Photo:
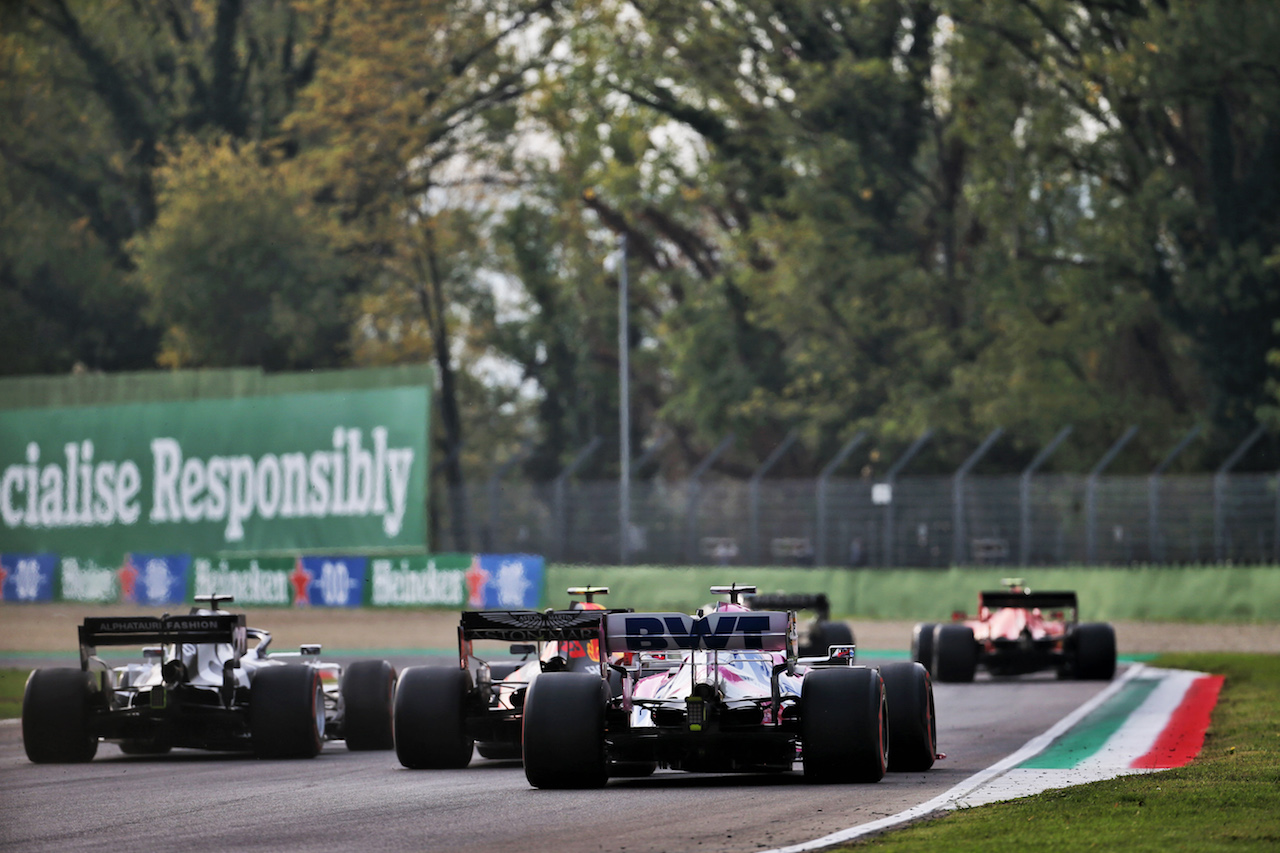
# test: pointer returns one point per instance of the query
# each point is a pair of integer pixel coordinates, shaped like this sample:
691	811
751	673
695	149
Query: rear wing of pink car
758	630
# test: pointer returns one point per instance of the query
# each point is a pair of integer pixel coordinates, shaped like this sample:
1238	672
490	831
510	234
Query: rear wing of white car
161	630
759	630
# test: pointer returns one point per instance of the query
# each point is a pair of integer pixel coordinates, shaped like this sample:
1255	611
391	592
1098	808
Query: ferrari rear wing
815	601
159	630
995	599
763	630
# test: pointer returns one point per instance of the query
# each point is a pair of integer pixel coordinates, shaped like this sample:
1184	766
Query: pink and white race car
724	691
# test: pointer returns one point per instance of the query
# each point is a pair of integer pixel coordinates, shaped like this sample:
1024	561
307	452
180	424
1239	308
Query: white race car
200	686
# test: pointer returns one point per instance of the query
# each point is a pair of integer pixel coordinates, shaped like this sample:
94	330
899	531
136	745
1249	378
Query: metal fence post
1219	493
560	514
850	445
1155	542
957	495
695	490
889	479
753	487
1091	496
1024	494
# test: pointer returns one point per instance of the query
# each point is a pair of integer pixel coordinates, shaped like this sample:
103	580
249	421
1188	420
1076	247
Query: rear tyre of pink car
913	730
844	725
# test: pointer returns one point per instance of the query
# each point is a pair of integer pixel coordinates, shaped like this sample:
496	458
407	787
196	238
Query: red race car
1017	631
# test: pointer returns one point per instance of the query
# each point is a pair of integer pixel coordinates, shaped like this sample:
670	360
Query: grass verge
12	682
1227	799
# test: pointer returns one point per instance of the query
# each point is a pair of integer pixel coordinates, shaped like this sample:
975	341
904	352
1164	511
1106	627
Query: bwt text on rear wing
760	630
1044	600
160	630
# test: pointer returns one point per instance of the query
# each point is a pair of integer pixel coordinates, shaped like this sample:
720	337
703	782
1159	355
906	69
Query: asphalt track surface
366	801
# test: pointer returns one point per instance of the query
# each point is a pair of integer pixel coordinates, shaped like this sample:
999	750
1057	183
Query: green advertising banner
262	582
307	472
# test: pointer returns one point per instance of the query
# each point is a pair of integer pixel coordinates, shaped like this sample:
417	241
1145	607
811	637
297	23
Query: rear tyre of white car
564	731
286	712
368	699
955	653
1095	651
844	726
430	718
922	644
55	716
913	731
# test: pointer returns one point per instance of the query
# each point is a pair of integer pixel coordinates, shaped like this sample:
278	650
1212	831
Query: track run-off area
1002	739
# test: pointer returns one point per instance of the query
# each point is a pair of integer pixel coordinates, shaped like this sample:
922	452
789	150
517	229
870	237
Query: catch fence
1049	519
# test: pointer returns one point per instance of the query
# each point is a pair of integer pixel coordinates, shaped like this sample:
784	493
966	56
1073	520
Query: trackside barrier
1202	594
447	581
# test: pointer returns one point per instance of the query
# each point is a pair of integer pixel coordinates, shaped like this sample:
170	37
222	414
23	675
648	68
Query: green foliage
235	273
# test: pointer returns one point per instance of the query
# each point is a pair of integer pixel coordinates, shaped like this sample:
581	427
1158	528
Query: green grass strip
1088	736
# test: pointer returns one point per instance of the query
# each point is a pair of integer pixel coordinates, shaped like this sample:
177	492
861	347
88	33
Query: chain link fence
915	522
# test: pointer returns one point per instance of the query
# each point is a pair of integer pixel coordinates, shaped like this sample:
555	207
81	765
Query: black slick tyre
430	718
922	644
564	731
286	712
1094	651
955	653
844	726
368	697
913	730
56	707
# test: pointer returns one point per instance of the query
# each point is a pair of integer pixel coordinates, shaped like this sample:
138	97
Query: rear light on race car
695	713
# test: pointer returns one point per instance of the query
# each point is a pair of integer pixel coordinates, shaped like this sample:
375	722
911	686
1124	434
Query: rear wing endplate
762	630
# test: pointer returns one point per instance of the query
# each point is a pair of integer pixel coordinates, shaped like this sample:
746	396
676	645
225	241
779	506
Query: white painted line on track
955	798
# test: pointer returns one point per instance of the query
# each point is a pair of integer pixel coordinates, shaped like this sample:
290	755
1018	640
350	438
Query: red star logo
128	575
4	574
476	579
301	580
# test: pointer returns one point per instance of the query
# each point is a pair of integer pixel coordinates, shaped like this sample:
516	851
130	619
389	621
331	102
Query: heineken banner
336	472
453	581
462	581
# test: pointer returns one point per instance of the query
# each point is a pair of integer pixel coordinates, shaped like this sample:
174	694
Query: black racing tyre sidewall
913	729
844	725
286	711
922	644
955	653
57	706
1094	649
563	734
430	718
368	698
